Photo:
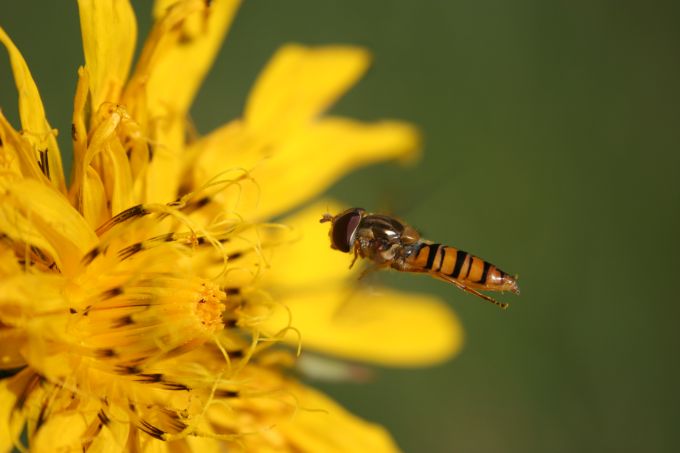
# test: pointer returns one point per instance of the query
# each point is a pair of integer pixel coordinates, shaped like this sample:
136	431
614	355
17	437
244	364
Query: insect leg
356	255
465	288
503	305
370	269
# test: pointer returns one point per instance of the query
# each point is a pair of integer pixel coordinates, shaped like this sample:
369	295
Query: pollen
208	305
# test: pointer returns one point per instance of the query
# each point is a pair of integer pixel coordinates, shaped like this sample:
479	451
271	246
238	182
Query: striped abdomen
449	263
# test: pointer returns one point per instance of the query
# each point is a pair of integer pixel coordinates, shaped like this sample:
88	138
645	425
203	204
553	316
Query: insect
389	242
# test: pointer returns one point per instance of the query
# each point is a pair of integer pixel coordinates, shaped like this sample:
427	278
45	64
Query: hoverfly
388	242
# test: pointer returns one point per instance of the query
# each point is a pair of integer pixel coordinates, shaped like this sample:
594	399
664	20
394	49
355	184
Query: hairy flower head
147	304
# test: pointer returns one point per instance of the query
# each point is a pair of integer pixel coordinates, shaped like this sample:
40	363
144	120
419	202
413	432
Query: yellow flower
146	306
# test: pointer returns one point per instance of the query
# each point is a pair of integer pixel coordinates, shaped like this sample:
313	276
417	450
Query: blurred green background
552	149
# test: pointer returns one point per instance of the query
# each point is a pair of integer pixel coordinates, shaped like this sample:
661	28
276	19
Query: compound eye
344	227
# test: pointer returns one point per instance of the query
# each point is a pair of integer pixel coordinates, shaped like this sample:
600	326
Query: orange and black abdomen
450	263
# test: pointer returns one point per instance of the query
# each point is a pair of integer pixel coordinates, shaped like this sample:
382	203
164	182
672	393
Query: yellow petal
299	83
111	438
18	153
179	71
11	340
109	32
304	164
34	123
202	444
322	425
309	163
92	203
102	178
290	153
62	432
374	325
11	421
49	216
20	228
188	444
79	124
